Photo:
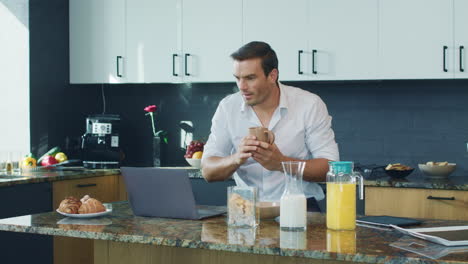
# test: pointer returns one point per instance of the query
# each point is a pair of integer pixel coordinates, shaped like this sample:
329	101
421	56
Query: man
299	120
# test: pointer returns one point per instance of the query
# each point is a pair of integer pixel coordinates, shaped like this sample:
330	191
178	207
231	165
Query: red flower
151	108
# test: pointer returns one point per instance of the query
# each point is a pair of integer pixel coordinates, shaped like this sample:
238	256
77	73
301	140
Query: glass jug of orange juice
341	195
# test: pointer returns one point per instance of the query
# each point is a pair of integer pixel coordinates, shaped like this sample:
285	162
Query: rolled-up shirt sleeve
219	142
320	137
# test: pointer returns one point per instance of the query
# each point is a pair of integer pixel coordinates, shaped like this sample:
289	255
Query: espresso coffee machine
100	144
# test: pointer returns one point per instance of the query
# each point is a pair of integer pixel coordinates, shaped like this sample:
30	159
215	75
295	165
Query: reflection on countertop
362	245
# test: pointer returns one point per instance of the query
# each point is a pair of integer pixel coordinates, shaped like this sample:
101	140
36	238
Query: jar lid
345	167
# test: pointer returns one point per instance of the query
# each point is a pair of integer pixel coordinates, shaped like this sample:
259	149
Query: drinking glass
8	162
3	159
16	158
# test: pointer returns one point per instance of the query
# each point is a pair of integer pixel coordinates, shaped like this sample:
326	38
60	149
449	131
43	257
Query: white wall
14	76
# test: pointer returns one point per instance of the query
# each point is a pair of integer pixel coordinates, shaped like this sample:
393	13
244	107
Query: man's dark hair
258	49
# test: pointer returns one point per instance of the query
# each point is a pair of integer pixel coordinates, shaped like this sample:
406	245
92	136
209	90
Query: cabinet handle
299	53
173	65
186	71
430	197
86	185
461	58
118	66
313	61
445	54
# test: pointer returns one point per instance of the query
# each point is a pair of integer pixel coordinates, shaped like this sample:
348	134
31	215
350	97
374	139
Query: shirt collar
283	103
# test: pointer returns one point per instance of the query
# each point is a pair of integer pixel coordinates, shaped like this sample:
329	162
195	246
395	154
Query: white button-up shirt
302	129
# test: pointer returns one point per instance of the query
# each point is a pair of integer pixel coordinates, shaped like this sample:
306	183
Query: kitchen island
123	238
41	190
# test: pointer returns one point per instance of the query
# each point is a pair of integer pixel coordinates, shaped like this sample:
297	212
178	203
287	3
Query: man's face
254	86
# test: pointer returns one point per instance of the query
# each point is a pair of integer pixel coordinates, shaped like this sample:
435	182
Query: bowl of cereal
437	170
268	210
398	170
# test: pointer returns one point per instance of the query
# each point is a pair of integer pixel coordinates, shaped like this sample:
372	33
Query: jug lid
345	167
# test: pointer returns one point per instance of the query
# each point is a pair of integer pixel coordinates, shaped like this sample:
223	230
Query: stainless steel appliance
100	143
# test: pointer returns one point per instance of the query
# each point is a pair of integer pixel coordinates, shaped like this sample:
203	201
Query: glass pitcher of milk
341	195
293	205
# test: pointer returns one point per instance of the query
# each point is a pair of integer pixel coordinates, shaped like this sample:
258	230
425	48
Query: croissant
90	205
70	205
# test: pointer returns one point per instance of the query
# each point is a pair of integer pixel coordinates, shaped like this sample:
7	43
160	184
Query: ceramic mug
262	134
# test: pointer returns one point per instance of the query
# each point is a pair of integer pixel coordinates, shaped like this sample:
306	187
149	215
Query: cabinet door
212	30
343	35
97	40
413	35
283	25
461	38
103	188
153	41
419	203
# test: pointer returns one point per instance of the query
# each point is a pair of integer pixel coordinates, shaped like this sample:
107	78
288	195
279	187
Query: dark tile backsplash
374	121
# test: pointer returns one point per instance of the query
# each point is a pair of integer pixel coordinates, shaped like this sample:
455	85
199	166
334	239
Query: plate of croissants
85	207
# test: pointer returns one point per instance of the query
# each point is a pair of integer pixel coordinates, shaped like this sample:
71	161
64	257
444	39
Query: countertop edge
457	183
159	241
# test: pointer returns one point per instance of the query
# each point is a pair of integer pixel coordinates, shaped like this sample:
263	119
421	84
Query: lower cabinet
106	189
418	203
25	199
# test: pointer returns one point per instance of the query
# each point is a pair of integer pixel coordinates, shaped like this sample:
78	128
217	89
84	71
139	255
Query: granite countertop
367	245
70	173
413	181
459	183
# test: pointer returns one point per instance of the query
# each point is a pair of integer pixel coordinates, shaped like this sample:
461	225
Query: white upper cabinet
416	39
148	41
212	30
283	25
97	41
316	39
461	38
153	41
343	39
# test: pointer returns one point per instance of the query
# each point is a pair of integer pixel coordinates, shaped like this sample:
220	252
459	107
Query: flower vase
156	152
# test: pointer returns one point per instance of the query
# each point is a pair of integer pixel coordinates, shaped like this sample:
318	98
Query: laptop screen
160	192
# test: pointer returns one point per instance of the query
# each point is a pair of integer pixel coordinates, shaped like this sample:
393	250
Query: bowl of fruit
194	153
437	170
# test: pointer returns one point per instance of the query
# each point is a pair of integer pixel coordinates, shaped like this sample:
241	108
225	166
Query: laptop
165	193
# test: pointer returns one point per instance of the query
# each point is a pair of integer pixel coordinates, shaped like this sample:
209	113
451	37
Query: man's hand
247	145
269	156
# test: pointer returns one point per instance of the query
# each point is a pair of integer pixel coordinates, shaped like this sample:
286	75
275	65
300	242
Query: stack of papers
447	236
